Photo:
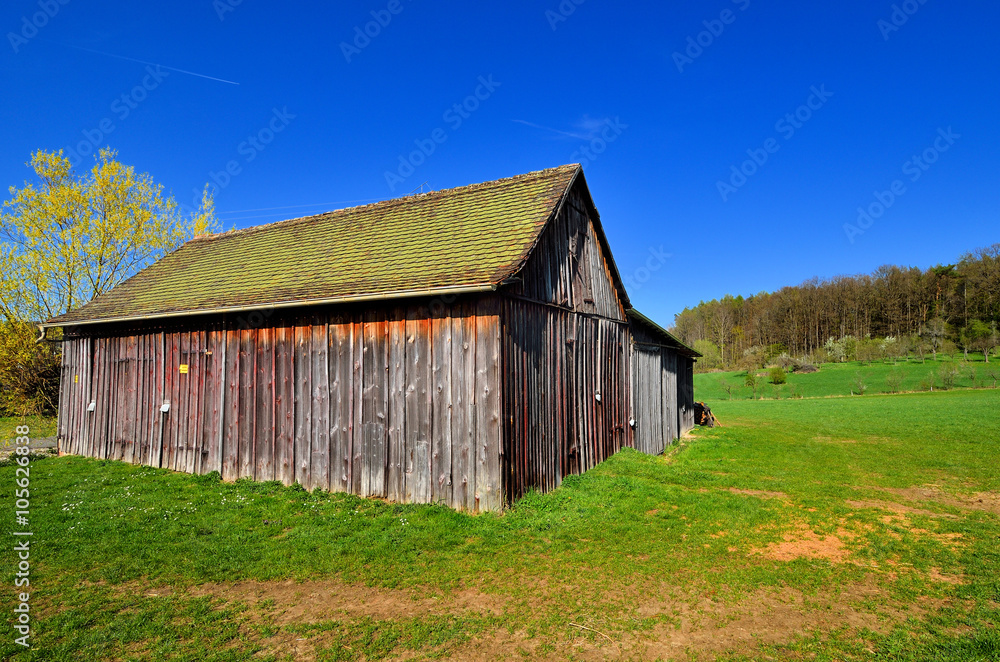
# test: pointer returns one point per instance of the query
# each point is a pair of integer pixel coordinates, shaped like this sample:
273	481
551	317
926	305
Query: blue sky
728	143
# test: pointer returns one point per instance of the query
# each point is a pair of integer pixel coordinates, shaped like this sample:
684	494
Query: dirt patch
759	493
769	617
983	501
312	602
804	543
896	508
936	575
700	625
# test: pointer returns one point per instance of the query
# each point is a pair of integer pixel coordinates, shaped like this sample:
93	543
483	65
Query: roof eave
401	294
679	345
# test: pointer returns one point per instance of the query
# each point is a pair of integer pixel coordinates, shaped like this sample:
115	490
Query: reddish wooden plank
230	451
264	405
302	362
284	406
247	423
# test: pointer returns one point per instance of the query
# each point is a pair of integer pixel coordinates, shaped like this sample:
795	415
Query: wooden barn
457	347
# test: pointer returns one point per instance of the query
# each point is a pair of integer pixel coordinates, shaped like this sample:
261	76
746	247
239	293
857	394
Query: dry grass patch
316	601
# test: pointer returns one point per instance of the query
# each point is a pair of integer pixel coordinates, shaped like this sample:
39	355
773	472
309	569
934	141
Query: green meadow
834	379
864	528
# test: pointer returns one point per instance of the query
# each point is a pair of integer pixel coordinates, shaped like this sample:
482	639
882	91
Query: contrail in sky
153	64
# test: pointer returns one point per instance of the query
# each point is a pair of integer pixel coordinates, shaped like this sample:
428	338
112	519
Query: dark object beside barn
458	347
704	417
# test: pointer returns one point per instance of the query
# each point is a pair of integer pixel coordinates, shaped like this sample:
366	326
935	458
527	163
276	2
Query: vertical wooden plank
320	436
247	422
214	401
441	409
488	437
340	403
467	438
416	451
195	400
396	404
159	349
358	452
264	399
491	406
374	432
66	386
141	402
230	451
303	402
284	407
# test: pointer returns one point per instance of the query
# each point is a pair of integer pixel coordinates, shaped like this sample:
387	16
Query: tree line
917	310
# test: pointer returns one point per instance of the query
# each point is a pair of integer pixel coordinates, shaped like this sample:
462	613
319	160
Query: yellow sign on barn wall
184	368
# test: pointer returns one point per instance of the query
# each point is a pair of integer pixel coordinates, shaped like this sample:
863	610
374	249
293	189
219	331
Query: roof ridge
387	204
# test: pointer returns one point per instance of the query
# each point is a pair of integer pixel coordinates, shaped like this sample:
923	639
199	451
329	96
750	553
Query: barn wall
655	397
399	402
568	267
685	393
555	363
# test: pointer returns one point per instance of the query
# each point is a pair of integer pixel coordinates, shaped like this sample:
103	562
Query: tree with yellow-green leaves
64	239
67	238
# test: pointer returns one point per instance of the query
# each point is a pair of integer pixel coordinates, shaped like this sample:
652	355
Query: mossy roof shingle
474	236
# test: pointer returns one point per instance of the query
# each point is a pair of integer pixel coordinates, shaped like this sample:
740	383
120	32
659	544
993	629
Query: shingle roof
469	237
667	338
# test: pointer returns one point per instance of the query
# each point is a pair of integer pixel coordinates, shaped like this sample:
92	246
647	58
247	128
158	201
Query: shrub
859	384
778	375
894	380
29	372
752	381
948	374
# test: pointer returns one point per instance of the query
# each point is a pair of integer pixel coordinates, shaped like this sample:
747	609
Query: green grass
642	550
38	426
835	379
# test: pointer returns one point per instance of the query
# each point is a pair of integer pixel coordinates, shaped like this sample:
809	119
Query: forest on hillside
894	311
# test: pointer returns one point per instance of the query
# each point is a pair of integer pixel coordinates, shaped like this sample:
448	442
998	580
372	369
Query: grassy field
817	529
40	427
842	379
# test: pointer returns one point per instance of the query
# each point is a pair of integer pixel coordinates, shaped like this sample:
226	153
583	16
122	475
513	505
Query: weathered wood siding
401	403
566	394
654	397
685	393
568	267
